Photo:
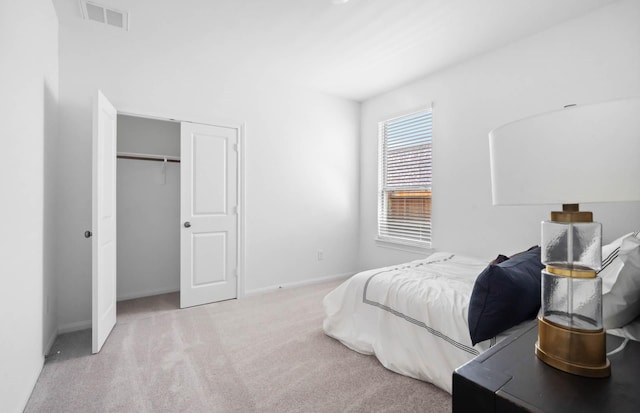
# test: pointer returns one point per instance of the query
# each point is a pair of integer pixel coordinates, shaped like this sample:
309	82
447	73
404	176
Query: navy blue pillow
505	295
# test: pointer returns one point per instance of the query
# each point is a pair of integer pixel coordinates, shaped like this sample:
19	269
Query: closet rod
143	157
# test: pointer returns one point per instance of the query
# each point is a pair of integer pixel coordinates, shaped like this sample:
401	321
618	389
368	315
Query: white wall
148	197
592	58
148	228
28	96
300	166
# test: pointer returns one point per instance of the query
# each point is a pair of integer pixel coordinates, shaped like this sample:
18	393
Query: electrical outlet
320	255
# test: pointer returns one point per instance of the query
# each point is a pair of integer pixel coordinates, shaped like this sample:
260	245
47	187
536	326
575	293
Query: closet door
103	269
208	208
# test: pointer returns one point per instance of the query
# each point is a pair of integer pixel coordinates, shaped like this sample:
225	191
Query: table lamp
578	154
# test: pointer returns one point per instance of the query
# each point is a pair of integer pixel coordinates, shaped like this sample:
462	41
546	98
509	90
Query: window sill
403	246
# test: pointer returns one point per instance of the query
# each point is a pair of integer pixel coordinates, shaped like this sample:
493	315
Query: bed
414	317
425	318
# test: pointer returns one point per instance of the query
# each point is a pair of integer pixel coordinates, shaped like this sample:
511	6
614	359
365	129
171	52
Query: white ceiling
355	50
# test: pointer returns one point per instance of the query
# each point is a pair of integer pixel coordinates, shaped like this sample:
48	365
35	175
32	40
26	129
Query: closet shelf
147	157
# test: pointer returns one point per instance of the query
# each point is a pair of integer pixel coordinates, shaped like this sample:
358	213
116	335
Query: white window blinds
404	204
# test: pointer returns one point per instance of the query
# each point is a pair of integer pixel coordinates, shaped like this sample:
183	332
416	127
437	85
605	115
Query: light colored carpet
264	353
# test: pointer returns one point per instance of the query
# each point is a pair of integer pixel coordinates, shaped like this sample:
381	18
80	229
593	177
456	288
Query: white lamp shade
579	154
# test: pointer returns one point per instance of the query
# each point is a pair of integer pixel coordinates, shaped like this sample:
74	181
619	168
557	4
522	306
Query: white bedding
413	316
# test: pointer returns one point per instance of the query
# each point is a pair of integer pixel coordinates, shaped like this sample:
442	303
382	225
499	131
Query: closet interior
148	207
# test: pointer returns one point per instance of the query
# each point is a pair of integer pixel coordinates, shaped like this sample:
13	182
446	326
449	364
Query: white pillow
621	281
610	264
631	330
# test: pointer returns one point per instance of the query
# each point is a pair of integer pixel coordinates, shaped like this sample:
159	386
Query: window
404	203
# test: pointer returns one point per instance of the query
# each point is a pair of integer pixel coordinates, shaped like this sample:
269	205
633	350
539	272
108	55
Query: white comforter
413	316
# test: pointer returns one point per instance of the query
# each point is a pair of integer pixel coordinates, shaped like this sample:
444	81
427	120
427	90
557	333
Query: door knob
187	224
87	234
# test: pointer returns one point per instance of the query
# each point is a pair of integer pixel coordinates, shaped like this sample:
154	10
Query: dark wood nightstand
510	378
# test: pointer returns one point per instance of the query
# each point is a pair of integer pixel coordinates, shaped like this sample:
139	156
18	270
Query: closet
148	207
165	212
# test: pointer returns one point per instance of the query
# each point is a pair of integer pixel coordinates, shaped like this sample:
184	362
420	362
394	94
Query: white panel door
104	221
208	210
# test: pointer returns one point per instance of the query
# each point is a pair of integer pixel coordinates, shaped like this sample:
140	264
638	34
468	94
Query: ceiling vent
105	15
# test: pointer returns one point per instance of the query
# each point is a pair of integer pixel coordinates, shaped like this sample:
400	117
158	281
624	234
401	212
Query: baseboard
77	326
318	280
28	390
149	293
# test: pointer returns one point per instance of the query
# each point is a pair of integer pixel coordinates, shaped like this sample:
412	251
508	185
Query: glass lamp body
570	333
573	245
572	302
571	293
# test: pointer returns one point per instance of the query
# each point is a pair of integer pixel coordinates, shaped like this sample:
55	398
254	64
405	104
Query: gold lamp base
578	352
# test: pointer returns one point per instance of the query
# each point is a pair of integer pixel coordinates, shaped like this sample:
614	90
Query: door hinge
235	147
235	272
236	209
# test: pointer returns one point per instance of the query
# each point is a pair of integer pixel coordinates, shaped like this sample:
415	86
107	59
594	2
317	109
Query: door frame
240	128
